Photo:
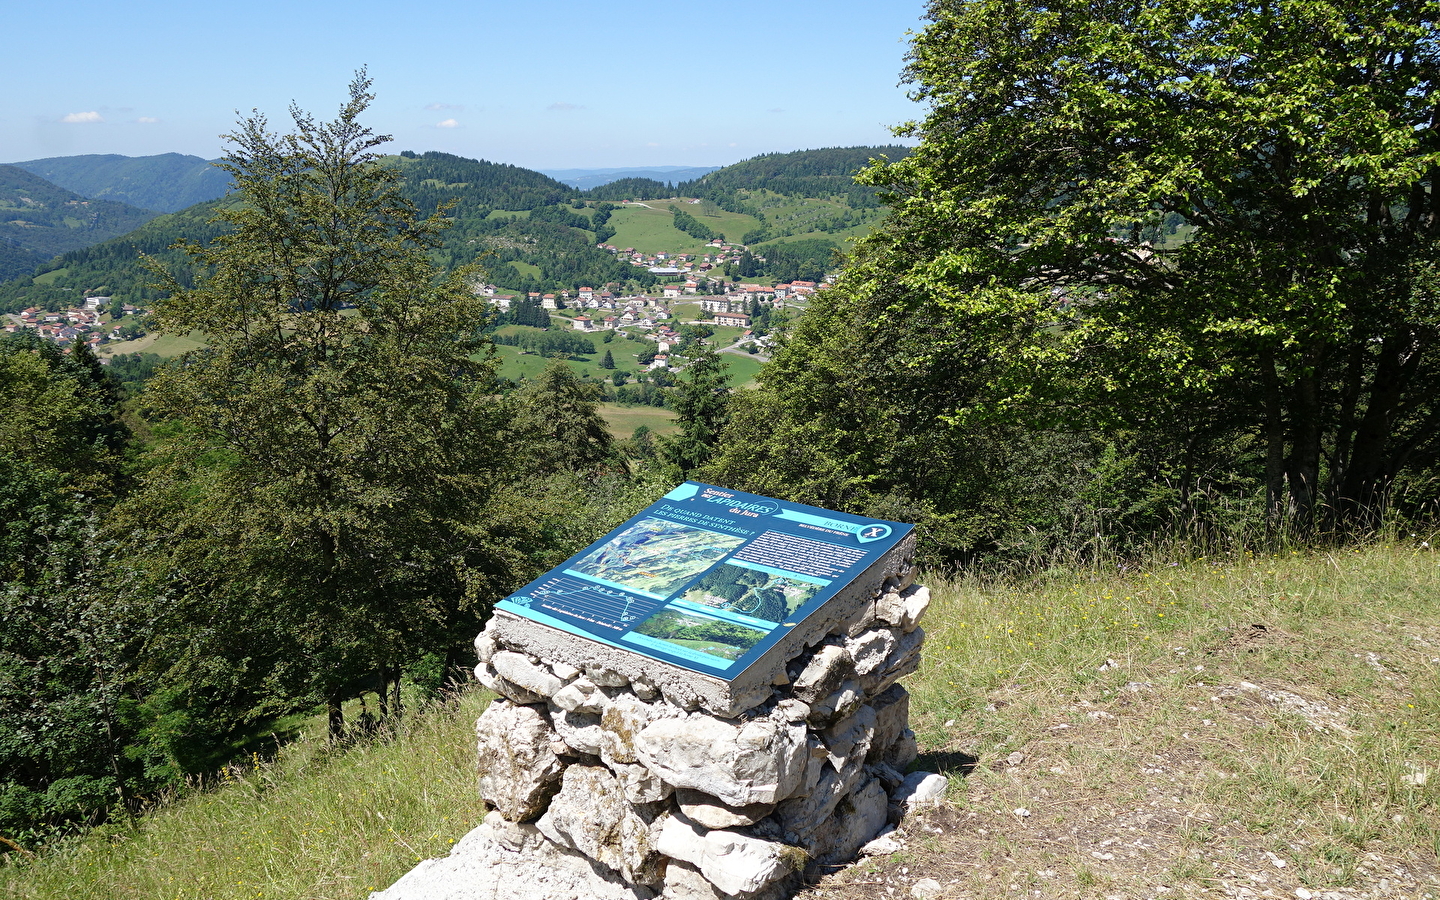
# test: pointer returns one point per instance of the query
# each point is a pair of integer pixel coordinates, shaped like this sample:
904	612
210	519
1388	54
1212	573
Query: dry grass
1260	727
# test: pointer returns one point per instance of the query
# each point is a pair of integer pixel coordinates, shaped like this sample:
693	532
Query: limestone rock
849	739
591	816
734	863
485	646
478	868
519	773
606	677
920	789
621	722
580	730
518	670
903	752
907	577
826	670
581	695
837	705
760	761
801	816
870	649
705	810
640	784
903	660
892	715
517	837
564	671
890	608
917	601
505	687
644	688
857	819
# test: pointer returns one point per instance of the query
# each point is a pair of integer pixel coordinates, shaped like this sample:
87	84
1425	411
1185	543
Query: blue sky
537	83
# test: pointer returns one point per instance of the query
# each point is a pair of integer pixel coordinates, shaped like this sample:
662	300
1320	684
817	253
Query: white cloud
148	120
448	123
81	117
564	107
458	107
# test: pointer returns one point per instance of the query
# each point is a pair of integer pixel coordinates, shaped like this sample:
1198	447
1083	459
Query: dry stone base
615	781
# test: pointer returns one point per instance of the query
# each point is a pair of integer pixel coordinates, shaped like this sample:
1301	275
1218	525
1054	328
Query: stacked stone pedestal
648	793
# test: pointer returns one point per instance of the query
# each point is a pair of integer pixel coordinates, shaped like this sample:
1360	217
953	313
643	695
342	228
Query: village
94	322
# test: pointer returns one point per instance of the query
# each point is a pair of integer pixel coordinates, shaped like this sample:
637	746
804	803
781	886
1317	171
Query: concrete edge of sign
690	689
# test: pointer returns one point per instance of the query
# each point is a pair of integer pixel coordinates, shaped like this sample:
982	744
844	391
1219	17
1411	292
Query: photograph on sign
706	578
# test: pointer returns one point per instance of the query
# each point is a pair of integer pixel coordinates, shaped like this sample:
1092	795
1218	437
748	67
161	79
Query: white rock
582	696
882	846
640	784
581	731
823	674
792	710
890	608
926	889
516	669
849	739
801	816
479	868
485	646
858	818
734	863
644	688
837	705
564	671
706	811
761	761
591	816
519	772
921	789
621	722
892	716
870	649
606	677
517	837
917	601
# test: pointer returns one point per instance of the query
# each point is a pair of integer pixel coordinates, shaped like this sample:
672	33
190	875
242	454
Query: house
582	323
500	301
672	291
660	362
586	293
737	320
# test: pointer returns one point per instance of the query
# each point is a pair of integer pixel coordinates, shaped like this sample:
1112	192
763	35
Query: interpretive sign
707	579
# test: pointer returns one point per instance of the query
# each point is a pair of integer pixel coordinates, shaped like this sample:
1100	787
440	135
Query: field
164	345
653	230
623	420
1241	727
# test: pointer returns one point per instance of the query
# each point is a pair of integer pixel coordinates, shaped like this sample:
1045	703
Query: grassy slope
1154	736
653	230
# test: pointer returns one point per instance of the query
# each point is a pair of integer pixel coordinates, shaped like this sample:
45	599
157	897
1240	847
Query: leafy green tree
1296	144
1197	228
338	439
701	402
560	417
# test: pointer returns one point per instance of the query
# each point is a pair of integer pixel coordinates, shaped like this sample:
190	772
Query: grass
653	230
1253	723
1265	723
164	345
313	823
623	420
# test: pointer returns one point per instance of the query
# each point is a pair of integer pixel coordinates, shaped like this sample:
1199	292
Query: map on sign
706	578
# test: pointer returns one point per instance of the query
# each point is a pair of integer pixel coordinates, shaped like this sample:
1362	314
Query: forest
1160	279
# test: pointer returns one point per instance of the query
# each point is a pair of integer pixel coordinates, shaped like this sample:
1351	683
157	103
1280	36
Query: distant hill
39	220
585	179
165	183
828	172
534	233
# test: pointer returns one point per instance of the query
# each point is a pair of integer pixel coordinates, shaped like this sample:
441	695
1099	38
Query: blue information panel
707	578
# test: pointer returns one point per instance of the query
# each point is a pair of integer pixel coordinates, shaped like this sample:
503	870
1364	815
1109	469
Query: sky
543	84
